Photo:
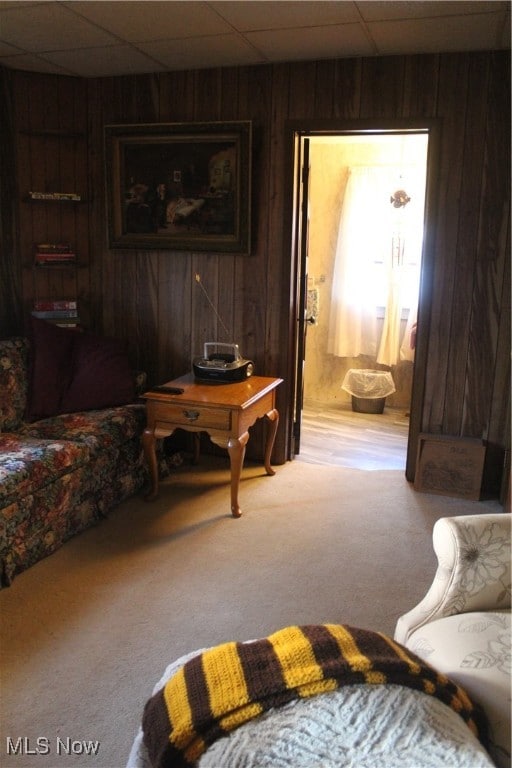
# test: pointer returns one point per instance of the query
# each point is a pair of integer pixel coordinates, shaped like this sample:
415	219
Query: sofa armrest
473	573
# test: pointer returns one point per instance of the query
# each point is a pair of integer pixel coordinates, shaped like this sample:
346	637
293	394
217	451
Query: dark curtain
11	314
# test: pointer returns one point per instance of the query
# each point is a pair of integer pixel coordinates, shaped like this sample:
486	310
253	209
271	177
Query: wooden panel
420	86
451	110
51	151
207	89
96	98
347	89
494	244
324	90
145	334
382	87
173	348
176	96
301	89
462	372
149	298
11	299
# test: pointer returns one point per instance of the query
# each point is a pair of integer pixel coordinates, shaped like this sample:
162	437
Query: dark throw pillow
50	368
73	371
101	375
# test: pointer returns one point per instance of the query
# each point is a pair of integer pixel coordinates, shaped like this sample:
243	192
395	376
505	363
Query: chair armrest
473	573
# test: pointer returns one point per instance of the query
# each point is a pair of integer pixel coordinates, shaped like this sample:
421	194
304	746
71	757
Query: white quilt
359	726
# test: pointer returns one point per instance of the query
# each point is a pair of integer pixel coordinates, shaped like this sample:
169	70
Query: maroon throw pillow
101	376
50	368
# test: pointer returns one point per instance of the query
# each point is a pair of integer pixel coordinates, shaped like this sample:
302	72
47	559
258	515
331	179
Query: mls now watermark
42	745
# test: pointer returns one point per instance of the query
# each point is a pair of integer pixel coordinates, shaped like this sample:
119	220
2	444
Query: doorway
397	160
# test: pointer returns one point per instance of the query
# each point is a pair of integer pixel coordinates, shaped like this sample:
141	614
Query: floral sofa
462	625
70	440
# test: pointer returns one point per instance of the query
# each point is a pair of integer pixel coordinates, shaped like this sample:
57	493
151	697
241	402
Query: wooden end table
224	411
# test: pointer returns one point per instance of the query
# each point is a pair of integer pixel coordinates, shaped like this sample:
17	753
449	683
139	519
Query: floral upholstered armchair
462	625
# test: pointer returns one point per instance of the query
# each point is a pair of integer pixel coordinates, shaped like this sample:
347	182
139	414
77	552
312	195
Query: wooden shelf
56	164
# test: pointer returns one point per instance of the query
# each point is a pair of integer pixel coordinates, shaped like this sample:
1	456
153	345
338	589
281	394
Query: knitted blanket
231	684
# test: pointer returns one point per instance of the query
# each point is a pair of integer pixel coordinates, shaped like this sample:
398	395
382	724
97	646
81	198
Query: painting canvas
179	186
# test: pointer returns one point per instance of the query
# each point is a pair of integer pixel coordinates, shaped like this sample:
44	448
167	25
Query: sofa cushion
13	382
101	375
50	368
97	429
473	649
73	371
28	464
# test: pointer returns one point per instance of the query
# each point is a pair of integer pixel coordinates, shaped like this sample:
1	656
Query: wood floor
336	436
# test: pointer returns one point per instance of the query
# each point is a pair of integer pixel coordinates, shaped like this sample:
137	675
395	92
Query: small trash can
368	388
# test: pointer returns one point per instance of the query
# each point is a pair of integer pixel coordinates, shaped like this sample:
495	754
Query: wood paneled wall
150	298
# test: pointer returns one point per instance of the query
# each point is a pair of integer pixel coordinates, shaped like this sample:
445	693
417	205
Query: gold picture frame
179	186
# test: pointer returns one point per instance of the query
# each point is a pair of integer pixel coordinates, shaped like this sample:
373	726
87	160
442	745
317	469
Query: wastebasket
368	388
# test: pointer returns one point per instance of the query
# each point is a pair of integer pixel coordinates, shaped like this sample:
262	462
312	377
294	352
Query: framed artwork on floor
450	466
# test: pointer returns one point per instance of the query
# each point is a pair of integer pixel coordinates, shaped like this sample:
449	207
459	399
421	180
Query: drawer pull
191	415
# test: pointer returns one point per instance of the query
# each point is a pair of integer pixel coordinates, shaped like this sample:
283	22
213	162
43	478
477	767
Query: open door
300	258
301	133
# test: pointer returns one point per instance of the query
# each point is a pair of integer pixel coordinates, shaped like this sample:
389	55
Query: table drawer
195	416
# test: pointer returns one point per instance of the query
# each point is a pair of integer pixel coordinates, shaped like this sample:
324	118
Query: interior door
298	213
301	259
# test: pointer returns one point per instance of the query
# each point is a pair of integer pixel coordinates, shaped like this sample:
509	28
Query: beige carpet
87	632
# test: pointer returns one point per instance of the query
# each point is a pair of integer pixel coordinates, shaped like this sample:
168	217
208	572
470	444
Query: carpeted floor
87	632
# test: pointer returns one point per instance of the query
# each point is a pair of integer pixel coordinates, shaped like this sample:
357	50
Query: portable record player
222	362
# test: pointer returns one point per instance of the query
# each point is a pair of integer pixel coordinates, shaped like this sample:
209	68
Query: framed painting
179	186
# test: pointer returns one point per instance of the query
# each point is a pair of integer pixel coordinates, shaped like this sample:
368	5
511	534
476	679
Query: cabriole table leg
272	418
236	450
149	443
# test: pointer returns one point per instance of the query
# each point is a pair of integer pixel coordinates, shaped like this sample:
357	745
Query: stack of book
54	254
61	312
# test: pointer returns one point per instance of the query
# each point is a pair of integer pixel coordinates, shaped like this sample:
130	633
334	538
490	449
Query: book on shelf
73	196
44	259
49	305
53	248
55	314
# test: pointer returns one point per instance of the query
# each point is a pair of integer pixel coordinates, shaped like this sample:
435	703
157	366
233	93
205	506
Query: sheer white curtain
356	289
377	264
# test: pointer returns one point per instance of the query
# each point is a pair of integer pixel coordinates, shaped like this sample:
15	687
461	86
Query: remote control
168	390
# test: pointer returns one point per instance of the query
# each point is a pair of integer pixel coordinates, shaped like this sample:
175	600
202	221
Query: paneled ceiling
102	38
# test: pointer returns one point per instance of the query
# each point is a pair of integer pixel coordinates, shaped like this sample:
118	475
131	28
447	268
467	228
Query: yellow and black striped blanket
230	684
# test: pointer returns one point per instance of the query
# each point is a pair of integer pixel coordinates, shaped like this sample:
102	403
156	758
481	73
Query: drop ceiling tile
150	20
6	4
375	10
103	62
451	33
341	40
258	15
202	52
9	50
49	27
